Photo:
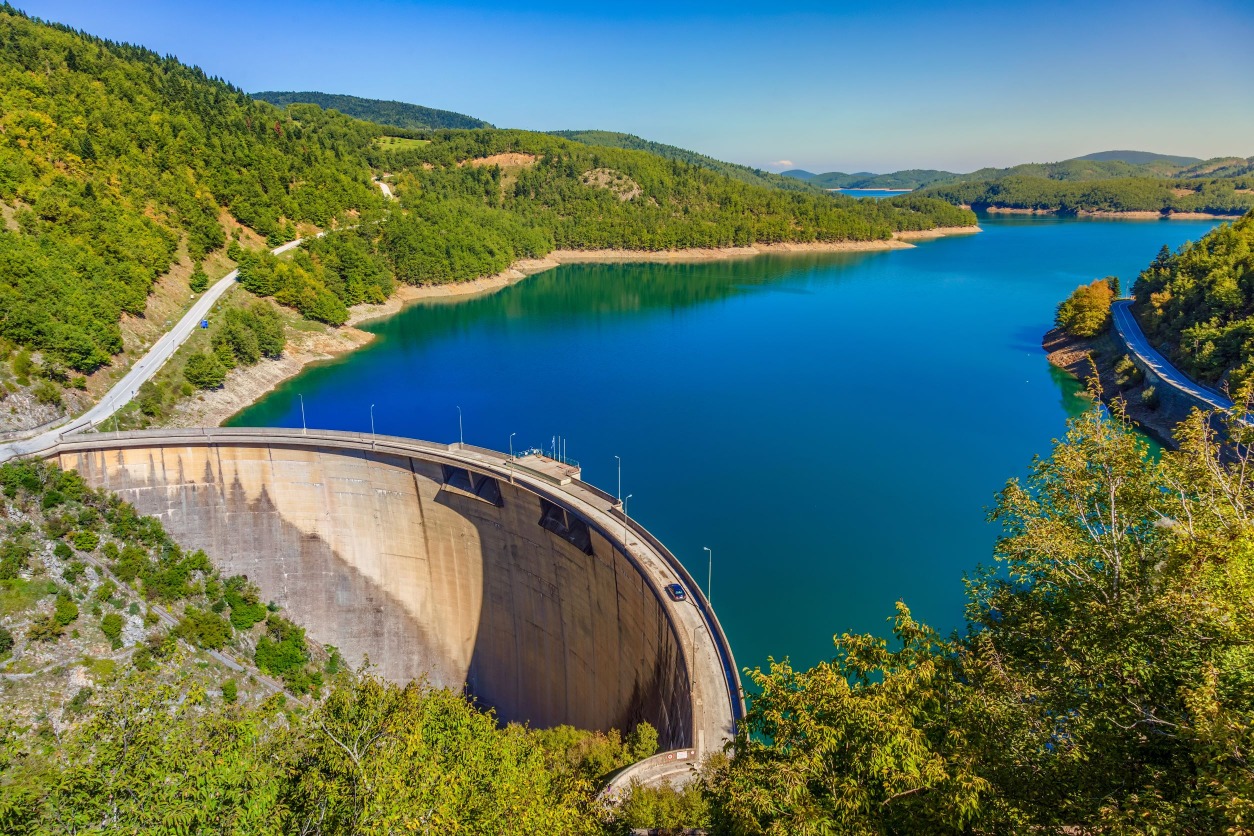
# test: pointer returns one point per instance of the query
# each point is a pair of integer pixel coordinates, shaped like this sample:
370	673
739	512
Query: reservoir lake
834	427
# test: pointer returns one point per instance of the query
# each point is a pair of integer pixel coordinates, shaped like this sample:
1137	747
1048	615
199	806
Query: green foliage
66	611
199	280
1198	303
745	174
79	701
15	555
203	628
354	773
299	283
47	393
283	653
664	808
246	335
204	371
1086	312
1127	372
6	641
111	625
1223	196
594	755
70	574
114	153
243	599
230	691
394	114
86	541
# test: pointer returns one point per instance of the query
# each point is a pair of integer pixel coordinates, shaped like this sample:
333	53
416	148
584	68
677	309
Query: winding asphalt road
1130	330
143	370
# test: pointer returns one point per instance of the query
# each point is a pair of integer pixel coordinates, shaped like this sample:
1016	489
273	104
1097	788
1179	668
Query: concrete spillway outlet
431	571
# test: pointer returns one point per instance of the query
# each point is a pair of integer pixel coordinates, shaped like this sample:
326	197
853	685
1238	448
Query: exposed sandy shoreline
245	386
1148	216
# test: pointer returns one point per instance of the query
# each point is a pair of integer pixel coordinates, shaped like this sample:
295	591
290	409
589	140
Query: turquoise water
833	427
872	192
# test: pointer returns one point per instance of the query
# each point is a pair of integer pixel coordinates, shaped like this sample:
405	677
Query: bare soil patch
508	159
622	186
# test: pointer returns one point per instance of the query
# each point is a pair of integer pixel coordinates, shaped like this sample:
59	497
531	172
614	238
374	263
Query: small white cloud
782	163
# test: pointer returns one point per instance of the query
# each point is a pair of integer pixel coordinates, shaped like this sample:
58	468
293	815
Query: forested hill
115	162
1140	157
743	173
1103	165
112	157
1198	304
379	111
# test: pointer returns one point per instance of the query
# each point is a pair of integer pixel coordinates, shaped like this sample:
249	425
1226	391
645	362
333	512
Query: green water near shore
832	426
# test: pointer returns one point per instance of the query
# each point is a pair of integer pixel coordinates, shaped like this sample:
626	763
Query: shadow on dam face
431	571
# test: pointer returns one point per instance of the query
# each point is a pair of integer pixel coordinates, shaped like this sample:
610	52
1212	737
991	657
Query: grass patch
102	670
399	143
18	595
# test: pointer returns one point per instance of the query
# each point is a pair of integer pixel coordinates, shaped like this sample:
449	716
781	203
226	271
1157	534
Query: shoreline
1145	215
1079	356
406	295
244	387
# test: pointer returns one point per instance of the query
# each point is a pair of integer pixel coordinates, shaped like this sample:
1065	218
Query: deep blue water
833	427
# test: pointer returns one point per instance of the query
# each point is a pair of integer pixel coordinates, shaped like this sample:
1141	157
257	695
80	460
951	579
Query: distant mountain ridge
381	112
1101	165
1138	157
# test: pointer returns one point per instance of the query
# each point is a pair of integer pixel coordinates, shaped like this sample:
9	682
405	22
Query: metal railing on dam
217	482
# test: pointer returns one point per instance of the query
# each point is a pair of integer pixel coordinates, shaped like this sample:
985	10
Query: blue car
676	592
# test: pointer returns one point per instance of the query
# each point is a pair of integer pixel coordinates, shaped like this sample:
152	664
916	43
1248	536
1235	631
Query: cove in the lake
832	426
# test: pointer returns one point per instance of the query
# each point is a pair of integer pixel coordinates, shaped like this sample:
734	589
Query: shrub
1127	373
111	625
80	700
62	550
44	629
1149	397
230	691
15	557
86	541
242	597
1086	312
282	652
66	611
47	393
199	280
204	371
6	641
203	629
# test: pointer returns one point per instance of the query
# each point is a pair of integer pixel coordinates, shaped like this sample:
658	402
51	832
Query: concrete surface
375	549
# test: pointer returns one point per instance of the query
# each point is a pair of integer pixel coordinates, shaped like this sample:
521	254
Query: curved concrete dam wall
463	566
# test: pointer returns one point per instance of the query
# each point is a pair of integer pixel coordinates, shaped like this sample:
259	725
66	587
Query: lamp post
511	457
461	436
710	575
620	478
303	428
372	422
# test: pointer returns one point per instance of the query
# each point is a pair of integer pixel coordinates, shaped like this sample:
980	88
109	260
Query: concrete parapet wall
375	554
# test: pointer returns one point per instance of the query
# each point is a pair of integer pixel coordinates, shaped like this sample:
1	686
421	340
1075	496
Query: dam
508	577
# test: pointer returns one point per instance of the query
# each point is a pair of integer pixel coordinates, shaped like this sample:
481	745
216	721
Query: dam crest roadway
506	576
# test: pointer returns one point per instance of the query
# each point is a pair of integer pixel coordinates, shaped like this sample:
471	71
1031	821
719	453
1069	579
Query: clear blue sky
825	86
